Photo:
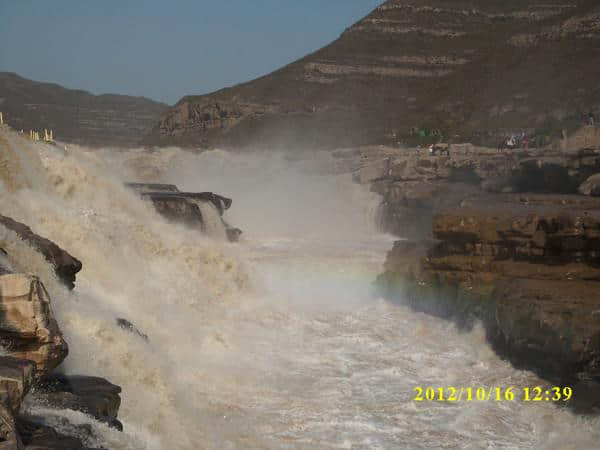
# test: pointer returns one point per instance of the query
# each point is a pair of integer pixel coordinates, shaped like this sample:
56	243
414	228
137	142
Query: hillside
474	70
75	115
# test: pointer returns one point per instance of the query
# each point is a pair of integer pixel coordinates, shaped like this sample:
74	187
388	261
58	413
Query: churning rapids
278	341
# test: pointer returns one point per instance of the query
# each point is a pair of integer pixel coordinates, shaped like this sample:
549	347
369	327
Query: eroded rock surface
526	266
16	378
28	329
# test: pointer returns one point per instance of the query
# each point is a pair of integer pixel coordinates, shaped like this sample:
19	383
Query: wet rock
591	186
152	187
65	265
182	207
127	325
16	378
91	395
37	436
28	329
219	202
177	209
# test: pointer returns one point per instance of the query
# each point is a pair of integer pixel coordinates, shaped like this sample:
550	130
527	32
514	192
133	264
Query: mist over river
278	341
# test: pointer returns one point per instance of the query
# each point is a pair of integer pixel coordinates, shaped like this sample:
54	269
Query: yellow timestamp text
497	394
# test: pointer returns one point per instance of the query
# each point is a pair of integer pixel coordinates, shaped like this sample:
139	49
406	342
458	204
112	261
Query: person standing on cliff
591	118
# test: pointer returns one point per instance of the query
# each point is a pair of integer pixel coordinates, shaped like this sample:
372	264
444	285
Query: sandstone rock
528	268
16	378
176	209
28	329
420	185
65	265
9	437
591	186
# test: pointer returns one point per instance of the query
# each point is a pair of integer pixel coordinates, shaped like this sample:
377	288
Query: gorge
134	314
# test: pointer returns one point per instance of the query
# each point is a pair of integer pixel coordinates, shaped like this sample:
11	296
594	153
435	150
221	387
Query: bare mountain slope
472	69
75	115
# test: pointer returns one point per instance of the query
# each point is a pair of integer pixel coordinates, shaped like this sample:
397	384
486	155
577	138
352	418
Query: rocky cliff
472	71
504	238
529	271
75	115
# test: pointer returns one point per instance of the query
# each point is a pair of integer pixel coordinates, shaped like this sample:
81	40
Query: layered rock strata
472	71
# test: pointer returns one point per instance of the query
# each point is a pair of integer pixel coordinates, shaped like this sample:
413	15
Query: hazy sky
164	49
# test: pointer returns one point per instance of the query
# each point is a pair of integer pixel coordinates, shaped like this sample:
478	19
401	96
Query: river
279	341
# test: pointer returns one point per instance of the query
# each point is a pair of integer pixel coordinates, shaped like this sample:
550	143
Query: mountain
474	70
74	115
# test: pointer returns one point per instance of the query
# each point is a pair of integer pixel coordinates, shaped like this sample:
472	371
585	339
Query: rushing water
276	342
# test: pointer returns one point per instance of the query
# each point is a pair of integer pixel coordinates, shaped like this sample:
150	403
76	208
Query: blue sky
164	49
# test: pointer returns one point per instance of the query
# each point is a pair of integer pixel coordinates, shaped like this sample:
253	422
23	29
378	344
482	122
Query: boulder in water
28	329
65	265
